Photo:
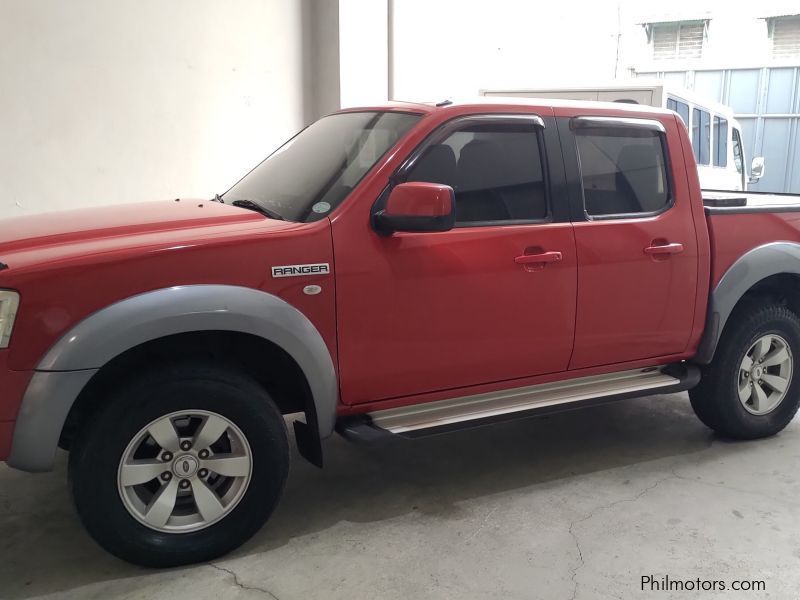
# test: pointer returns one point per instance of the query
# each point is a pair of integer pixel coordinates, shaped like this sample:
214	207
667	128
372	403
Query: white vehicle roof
660	88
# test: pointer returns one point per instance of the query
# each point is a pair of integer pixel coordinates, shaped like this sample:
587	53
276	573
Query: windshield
307	177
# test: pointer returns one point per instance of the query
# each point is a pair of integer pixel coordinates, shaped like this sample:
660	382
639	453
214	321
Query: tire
194	399
757	328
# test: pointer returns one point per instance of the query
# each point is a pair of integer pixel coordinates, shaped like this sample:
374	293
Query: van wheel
752	388
181	465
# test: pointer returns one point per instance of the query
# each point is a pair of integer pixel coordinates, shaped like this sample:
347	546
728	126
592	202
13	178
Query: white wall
106	101
363	51
453	48
737	32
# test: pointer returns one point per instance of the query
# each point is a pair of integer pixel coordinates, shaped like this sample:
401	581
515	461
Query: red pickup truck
393	270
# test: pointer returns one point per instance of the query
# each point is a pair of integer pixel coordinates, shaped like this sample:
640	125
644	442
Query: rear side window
495	169
701	136
623	171
720	142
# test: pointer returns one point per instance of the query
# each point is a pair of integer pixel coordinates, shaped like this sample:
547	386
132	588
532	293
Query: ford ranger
401	270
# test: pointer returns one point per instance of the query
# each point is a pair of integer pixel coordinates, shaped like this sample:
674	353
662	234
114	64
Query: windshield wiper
250	205
218	198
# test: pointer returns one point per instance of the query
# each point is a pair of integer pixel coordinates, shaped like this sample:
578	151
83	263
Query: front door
635	238
491	300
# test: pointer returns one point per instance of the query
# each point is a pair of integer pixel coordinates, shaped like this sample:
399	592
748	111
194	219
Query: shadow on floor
45	550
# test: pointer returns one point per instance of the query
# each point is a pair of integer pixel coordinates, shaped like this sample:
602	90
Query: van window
720	142
737	151
679	107
496	170
701	136
622	170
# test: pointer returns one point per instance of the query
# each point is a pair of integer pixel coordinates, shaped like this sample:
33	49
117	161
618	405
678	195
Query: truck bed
741	221
753	201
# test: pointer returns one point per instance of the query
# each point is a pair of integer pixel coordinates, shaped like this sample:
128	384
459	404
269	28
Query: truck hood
55	235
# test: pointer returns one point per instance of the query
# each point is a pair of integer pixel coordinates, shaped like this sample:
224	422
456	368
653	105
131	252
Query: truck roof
497	104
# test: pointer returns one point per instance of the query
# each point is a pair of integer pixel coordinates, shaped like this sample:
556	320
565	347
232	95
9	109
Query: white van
716	135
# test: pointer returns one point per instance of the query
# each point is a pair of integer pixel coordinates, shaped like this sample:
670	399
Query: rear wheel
180	466
751	389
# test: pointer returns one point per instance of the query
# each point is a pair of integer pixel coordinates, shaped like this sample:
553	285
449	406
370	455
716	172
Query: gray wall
320	58
767	103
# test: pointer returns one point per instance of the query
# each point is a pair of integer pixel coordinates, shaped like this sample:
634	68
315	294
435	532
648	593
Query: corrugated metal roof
672	16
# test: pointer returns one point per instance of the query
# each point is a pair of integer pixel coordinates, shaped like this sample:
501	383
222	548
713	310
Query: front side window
495	170
313	173
701	136
622	170
720	142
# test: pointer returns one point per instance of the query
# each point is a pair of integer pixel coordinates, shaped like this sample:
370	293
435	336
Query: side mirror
757	169
417	206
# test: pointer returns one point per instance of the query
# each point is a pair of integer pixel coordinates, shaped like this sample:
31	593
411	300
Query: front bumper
12	389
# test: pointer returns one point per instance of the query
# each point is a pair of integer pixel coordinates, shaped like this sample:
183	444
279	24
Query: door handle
543	257
673	248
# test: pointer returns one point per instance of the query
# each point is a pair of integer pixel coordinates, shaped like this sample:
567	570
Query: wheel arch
771	269
110	335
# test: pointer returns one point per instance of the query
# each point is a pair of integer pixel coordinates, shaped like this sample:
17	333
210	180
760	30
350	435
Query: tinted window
313	172
495	170
701	136
720	142
623	171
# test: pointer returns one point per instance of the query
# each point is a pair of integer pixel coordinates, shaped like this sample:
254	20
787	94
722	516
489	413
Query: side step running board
479	409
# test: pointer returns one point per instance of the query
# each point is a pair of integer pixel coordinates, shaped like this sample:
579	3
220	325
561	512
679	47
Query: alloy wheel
184	471
765	374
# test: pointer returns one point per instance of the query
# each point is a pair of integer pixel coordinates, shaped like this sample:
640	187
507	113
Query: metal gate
767	104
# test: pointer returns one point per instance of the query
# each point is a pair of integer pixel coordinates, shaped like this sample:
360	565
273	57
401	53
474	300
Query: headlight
9	301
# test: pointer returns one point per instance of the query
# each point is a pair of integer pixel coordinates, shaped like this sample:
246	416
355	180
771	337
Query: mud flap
308	443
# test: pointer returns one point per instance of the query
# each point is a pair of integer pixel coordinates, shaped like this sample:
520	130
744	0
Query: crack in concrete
573	524
482	525
241	585
673	475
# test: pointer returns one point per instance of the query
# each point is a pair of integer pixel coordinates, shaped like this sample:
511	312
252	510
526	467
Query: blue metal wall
767	103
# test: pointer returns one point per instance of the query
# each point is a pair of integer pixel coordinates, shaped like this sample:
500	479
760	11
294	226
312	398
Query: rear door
635	239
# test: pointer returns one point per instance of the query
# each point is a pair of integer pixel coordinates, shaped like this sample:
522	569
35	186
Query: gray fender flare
77	355
755	265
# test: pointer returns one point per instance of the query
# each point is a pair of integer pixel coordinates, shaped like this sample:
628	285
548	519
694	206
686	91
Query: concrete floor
578	505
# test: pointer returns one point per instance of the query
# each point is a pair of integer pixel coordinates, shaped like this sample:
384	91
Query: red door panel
637	277
420	312
634	303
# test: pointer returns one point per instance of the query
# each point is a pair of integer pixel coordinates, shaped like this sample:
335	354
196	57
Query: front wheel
180	466
752	387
